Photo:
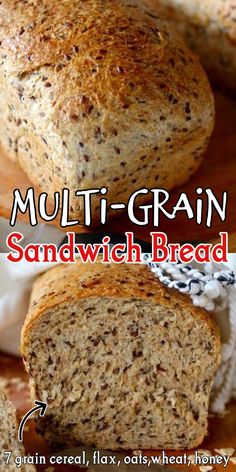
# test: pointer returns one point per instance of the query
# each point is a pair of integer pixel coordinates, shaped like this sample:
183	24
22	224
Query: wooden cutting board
218	171
222	430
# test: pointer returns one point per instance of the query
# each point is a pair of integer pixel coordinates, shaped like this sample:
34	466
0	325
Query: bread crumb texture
122	361
100	92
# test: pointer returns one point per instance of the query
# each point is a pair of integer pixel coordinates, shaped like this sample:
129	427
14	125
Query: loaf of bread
8	438
99	93
121	360
209	28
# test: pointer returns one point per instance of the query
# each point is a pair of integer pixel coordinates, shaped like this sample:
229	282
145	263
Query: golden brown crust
51	33
209	28
100	93
76	281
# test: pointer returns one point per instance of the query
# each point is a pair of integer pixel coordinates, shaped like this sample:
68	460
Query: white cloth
16	282
15	287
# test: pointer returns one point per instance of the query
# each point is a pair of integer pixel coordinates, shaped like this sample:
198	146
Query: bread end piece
8	437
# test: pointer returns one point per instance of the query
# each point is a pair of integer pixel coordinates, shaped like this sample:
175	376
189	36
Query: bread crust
69	282
209	29
100	93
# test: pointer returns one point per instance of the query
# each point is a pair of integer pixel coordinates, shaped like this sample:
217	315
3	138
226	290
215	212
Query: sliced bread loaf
122	361
8	438
99	93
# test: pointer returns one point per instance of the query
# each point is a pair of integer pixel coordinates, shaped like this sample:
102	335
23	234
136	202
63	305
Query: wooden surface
222	430
218	171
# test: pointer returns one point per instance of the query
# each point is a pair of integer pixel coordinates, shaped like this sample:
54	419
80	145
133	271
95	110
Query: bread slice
100	93
122	361
8	438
